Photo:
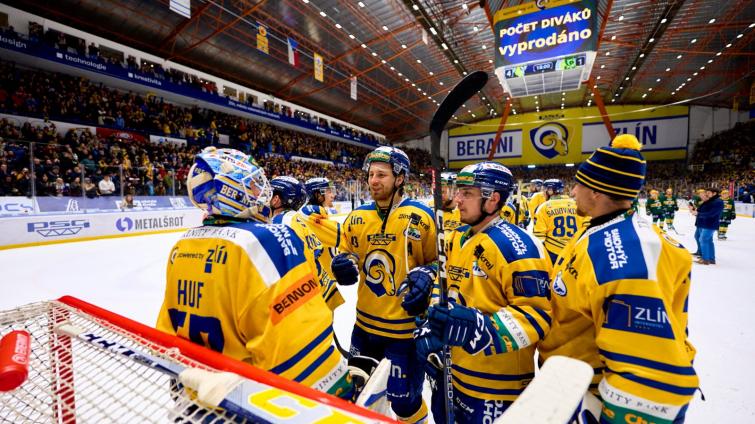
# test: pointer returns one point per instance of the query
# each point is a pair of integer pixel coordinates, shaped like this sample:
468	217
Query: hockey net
72	381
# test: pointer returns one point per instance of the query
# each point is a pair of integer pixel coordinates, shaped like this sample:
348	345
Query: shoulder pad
513	242
273	247
616	253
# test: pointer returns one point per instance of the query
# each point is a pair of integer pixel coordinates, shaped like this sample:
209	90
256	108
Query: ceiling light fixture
415	7
360	4
323	14
385	28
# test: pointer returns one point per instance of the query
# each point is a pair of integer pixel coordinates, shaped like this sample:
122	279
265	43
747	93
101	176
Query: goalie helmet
291	191
398	160
227	182
489	177
554	184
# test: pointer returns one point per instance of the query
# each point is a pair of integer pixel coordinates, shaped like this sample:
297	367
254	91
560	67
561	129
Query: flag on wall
354	87
318	68
293	54
182	7
262	43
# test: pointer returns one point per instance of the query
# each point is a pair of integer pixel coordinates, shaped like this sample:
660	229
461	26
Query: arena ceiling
650	52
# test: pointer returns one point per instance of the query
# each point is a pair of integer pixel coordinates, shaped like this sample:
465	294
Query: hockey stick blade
553	396
229	391
463	91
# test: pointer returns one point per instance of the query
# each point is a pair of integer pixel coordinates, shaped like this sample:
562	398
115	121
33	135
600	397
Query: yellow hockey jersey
503	272
451	219
510	209
536	200
619	298
316	255
385	257
245	289
556	222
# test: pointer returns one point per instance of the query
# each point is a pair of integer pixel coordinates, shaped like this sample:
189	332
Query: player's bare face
329	196
381	181
584	199
468	201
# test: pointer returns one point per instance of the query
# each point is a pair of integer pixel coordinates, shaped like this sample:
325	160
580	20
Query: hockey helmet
393	156
554	184
489	177
292	192
227	182
318	185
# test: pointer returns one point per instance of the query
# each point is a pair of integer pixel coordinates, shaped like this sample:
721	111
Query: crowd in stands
75	164
75	45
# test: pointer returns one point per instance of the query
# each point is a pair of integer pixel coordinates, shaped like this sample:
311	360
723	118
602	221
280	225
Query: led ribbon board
545	46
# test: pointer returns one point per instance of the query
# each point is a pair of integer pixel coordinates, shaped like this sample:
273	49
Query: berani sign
545	29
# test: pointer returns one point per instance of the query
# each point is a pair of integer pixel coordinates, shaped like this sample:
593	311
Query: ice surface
126	275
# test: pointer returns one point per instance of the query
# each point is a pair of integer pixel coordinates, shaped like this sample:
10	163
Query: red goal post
70	380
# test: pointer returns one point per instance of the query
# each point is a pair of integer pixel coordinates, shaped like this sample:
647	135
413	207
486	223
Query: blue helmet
318	185
291	191
554	184
398	160
537	181
227	182
489	177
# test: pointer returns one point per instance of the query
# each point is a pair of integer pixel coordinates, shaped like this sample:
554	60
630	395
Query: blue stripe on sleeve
385	320
531	319
290	362
678	390
313	366
647	363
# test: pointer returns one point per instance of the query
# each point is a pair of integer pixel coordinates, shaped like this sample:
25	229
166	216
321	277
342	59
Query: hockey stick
226	390
463	91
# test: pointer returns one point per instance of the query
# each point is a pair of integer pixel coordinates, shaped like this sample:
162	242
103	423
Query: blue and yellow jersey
317	255
245	289
385	256
556	222
326	229
503	272
451	219
510	209
619	297
536	200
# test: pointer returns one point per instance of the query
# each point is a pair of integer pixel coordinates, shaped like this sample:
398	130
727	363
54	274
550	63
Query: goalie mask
227	182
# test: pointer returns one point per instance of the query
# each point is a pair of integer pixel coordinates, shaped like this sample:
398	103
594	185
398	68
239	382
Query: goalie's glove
463	326
417	287
360	369
345	269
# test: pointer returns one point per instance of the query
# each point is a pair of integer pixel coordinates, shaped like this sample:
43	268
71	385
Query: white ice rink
126	275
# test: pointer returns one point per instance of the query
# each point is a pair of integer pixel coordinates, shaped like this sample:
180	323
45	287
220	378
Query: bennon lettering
294	296
481	147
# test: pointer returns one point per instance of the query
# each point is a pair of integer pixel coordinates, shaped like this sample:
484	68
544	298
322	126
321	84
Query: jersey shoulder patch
616	253
273	248
513	242
366	207
417	204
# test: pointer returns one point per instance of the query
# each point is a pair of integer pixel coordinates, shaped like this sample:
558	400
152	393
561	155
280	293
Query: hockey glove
419	283
345	269
428	343
462	326
360	369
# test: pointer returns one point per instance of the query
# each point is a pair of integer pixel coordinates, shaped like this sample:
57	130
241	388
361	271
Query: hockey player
289	195
498	283
556	220
243	287
619	297
451	220
389	237
670	206
537	197
729	214
316	215
516	206
654	207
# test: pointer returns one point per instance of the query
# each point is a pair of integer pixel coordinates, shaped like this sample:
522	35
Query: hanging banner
293	54
318	68
182	7
123	134
262	43
571	135
354	88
